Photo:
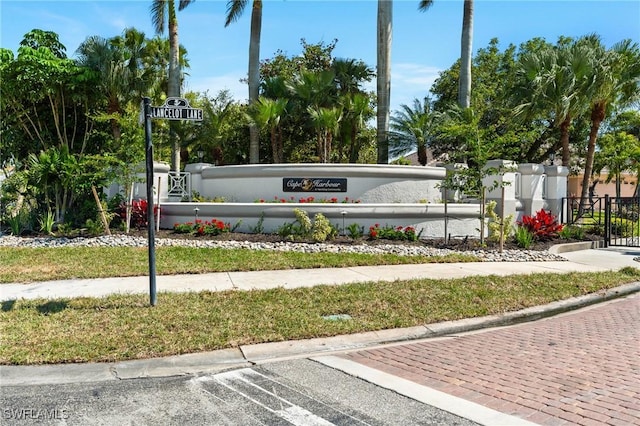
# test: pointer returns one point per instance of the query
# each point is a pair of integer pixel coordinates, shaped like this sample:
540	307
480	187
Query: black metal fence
617	219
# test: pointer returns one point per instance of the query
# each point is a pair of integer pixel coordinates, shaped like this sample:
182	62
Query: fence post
607	220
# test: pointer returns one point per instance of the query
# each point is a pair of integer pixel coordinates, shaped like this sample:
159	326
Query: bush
322	229
209	227
543	225
495	225
390	233
319	229
138	213
524	237
624	227
572	232
355	231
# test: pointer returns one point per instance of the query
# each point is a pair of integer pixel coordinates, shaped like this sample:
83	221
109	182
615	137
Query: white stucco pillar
452	195
196	175
556	189
532	187
503	174
160	170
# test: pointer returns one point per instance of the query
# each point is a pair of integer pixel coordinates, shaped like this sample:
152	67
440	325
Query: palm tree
164	11
314	88
234	11
617	81
385	22
350	74
356	109
326	122
137	54
464	90
553	81
267	114
413	127
109	61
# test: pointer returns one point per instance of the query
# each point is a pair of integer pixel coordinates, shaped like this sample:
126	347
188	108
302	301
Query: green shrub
495	225
523	237
259	228
65	229
207	227
94	227
390	233
355	231
322	229
572	232
46	222
303	220
288	231
624	227
20	222
319	230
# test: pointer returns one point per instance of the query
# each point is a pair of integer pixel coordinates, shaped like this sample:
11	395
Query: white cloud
214	84
410	81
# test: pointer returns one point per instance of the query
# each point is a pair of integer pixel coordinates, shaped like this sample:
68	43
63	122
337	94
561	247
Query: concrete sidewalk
592	260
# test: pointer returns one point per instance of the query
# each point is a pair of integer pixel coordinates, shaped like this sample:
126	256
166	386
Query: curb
278	351
569	247
244	356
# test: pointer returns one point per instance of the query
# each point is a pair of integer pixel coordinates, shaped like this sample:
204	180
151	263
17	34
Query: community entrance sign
172	109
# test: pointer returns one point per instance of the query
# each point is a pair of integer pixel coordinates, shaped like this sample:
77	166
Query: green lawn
43	264
125	327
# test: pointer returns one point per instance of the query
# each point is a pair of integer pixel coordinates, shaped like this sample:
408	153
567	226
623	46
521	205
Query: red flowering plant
390	233
199	227
543	226
309	199
138	213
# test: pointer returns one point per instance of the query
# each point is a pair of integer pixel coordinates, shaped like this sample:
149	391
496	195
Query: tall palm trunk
254	77
564	140
597	116
464	90
422	155
384	78
174	82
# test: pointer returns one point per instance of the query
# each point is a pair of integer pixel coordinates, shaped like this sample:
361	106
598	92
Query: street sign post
172	109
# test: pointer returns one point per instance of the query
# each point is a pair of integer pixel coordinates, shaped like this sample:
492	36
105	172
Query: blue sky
423	43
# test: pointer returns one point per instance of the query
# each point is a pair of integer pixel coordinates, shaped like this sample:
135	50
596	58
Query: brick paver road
579	368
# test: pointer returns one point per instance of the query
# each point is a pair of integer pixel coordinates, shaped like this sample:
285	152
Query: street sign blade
193	114
176	109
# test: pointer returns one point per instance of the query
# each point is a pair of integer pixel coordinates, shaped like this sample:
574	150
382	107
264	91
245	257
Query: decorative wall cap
556	171
531	169
324	170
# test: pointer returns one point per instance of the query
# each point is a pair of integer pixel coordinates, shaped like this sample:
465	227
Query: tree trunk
280	145
274	146
464	89
174	81
564	140
422	154
384	78
597	115
254	77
